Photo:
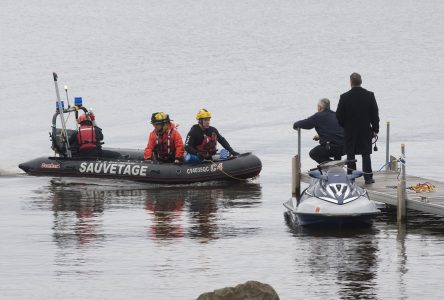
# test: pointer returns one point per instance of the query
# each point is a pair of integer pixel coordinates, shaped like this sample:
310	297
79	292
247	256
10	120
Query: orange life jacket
165	147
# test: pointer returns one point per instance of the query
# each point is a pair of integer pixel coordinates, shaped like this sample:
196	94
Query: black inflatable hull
133	167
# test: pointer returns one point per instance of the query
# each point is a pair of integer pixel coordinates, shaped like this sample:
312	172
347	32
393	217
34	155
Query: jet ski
129	164
332	198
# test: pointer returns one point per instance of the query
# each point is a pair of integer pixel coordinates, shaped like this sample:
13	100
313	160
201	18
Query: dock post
387	148
393	163
296	170
296	177
402	195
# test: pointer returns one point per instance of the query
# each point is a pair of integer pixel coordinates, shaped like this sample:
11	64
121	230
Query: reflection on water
402	257
173	212
77	215
347	254
417	222
352	255
214	231
167	212
358	267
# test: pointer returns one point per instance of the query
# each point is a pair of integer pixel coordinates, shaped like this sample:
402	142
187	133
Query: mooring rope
222	171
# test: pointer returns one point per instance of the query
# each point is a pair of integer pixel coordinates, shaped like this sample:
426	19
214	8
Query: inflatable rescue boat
132	167
128	163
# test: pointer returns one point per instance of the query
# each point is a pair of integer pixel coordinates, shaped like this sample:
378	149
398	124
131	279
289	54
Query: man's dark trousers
321	154
366	165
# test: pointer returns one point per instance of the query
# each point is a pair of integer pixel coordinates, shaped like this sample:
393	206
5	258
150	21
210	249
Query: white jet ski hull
314	211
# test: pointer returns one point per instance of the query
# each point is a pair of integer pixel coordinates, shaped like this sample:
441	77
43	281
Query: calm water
258	66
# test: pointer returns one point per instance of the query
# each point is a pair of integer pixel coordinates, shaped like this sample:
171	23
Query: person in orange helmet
165	143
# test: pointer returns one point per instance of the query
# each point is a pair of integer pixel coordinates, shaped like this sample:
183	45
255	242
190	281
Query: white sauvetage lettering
127	170
98	168
143	170
113	168
82	168
106	167
136	170
90	168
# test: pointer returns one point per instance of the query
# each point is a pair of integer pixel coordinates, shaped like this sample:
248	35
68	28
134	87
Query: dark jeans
321	154
366	165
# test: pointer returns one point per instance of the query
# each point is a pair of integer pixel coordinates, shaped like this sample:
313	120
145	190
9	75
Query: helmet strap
163	128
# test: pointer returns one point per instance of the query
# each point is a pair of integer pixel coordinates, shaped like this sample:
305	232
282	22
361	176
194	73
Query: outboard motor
58	141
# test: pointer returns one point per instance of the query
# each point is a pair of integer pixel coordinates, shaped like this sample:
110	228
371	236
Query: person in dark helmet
358	114
165	143
329	133
202	138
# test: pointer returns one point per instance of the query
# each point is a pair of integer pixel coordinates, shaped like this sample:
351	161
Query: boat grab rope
231	176
401	160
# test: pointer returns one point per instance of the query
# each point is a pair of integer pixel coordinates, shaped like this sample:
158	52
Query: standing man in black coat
358	114
329	134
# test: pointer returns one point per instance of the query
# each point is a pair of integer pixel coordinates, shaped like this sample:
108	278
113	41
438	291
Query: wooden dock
385	190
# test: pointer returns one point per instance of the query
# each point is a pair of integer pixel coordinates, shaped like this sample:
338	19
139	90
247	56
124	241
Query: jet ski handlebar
333	163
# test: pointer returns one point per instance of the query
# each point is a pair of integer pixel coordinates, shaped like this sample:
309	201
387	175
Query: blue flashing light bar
78	101
57	105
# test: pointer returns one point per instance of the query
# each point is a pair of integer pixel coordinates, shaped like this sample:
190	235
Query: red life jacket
208	146
86	137
165	149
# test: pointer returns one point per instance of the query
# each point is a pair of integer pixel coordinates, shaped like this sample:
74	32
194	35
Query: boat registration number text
205	169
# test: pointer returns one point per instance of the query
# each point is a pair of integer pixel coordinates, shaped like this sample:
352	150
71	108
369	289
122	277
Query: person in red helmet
165	143
89	137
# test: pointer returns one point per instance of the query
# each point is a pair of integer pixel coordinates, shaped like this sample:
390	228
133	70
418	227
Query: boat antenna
60	110
67	98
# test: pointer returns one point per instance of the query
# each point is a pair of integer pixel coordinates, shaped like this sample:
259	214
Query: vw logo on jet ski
113	168
206	169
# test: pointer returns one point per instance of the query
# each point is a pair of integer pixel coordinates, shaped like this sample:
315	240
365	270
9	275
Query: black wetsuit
196	135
